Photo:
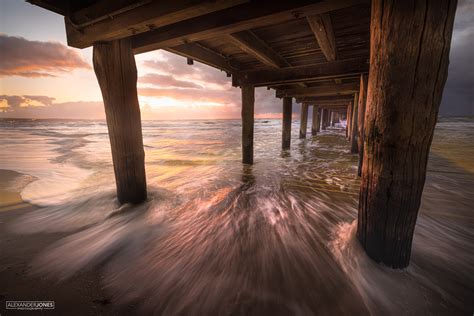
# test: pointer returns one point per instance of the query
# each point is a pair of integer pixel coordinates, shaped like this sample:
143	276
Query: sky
40	77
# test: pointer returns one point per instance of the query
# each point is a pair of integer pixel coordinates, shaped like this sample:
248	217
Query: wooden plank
248	42
326	90
248	101
287	112
266	77
322	28
203	55
116	72
139	17
236	19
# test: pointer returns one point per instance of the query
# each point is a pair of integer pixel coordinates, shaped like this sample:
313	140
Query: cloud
17	101
458	95
167	81
21	57
65	110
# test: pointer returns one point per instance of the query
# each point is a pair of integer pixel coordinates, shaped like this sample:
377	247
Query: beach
218	238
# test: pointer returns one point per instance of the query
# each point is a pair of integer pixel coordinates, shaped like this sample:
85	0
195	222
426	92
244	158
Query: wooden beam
266	77
248	42
116	72
133	17
203	55
321	26
325	90
232	20
324	99
287	112
303	120
248	101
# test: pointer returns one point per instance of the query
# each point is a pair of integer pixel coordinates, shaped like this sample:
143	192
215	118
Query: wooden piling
360	120
408	69
114	66
315	121
323	118
348	124
248	104
287	111
353	138
303	120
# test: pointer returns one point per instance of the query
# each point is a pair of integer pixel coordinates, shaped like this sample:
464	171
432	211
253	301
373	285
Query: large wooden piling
315	121
304	120
287	111
409	61
114	66
248	103
353	138
324	113
348	122
360	120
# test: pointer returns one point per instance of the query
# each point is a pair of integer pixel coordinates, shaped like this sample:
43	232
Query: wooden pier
381	65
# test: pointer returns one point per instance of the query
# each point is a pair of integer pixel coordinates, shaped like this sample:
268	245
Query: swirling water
220	238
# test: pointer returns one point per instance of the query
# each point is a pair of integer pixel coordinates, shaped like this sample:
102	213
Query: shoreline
82	294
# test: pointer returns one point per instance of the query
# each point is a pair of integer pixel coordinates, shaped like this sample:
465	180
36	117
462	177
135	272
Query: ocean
220	238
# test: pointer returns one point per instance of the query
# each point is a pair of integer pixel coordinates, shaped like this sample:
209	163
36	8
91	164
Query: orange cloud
16	101
21	57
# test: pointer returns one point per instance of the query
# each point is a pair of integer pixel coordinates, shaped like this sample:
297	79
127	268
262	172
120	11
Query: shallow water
217	237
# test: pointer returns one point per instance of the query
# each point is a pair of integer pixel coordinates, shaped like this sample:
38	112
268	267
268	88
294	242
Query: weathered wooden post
324	113
410	42
248	101
360	120
114	66
304	120
318	127
315	121
348	124
287	111
353	139
331	121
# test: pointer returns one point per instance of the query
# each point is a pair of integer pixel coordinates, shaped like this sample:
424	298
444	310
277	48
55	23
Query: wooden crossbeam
254	46
322	28
135	18
325	99
335	69
205	56
232	20
325	90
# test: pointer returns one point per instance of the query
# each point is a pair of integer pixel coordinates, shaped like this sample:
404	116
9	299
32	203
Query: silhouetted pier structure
317	52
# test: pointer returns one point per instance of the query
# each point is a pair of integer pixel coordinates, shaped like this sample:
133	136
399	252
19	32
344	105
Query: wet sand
82	294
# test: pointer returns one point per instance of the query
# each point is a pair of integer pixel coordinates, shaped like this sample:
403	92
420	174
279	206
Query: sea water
220	238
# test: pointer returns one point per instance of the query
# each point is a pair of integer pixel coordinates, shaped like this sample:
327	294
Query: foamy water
219	238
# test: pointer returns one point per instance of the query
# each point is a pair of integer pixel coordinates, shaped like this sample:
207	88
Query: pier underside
381	66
